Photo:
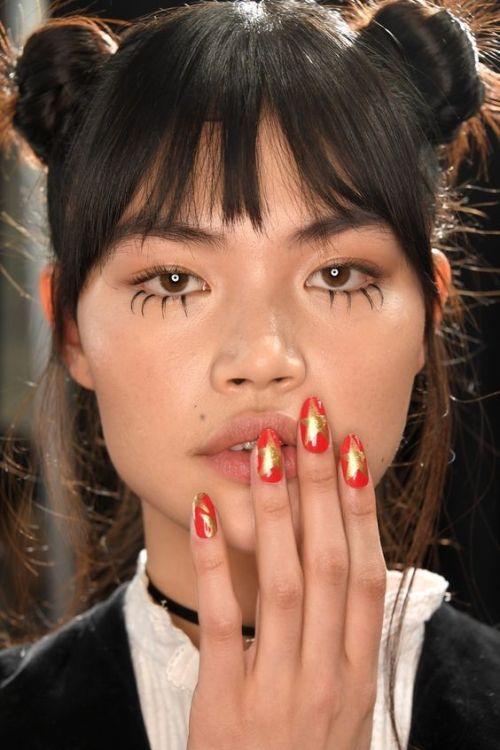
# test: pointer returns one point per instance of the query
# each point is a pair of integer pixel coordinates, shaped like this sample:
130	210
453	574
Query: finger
220	619
367	568
278	565
325	555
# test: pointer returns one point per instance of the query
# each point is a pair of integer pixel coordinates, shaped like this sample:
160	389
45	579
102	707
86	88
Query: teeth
243	446
246	446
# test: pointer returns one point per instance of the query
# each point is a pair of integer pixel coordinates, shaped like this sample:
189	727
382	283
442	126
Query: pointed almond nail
269	458
313	426
205	520
354	465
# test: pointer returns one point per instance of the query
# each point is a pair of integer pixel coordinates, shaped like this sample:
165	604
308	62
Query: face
259	333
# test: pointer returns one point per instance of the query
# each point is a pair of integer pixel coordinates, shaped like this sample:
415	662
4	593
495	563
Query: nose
260	361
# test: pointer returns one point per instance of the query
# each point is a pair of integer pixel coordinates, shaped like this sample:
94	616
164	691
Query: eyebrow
318	230
325	227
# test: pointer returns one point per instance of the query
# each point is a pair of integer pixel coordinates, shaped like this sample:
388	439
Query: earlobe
75	358
73	355
442	278
45	291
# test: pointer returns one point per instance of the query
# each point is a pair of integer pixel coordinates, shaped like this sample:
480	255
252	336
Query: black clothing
456	702
75	689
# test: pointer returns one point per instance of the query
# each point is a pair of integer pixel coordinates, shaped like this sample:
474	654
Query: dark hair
374	103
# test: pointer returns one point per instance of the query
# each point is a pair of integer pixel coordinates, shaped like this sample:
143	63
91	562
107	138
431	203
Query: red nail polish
313	425
269	458
354	465
205	521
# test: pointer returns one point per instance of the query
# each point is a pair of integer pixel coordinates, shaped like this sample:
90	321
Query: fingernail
269	459
205	521
313	425
354	465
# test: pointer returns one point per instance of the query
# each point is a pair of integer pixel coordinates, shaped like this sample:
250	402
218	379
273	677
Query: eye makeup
175	272
330	273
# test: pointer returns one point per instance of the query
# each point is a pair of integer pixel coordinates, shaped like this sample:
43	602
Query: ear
45	291
73	354
442	278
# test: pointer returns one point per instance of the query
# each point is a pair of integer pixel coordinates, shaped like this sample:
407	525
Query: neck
189	628
171	570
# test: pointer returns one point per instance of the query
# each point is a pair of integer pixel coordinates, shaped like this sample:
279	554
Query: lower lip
236	464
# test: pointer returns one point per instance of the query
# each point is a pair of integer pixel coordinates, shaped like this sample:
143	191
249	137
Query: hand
309	680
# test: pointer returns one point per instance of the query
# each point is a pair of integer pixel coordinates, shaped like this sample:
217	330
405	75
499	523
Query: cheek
370	379
144	387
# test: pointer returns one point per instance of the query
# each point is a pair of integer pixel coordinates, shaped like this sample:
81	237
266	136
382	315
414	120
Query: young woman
249	310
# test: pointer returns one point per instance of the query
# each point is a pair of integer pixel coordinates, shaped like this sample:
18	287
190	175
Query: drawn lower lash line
379	290
349	293
367	295
134	298
331	292
144	302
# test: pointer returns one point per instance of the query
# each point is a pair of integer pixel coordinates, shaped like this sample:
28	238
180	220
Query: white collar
152	632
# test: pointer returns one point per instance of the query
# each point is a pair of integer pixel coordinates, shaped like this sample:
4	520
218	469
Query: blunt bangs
186	94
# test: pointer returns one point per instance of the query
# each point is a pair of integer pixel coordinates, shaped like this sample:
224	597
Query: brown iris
335	275
173	282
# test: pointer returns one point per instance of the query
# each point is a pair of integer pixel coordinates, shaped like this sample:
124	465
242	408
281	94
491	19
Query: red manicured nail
313	425
269	458
205	521
354	466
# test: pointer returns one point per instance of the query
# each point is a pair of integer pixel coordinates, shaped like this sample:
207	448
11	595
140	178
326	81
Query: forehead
284	196
288	218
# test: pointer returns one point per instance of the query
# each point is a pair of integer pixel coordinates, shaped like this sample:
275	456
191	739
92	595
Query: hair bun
440	53
54	73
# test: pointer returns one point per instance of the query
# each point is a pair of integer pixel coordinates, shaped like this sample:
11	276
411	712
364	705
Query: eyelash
161	271
165	270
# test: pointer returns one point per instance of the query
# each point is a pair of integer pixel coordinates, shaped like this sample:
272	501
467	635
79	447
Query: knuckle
210	563
366	697
275	506
221	626
331	566
323	701
372	583
362	506
286	594
319	476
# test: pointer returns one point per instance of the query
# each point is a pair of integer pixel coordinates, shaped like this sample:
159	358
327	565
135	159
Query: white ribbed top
166	662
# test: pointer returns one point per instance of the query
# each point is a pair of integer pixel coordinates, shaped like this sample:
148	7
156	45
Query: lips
236	465
246	428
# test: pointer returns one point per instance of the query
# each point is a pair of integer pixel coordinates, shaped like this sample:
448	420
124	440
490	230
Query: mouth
234	464
228	450
249	445
241	432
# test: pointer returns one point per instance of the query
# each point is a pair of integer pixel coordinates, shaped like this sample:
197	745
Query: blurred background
469	552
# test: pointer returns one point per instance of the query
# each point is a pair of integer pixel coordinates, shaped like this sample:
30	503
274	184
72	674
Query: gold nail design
205	521
270	463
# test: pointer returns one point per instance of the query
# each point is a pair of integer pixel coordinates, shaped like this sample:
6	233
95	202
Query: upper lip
246	428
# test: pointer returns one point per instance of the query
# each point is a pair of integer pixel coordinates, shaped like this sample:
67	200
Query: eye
336	277
348	278
169	284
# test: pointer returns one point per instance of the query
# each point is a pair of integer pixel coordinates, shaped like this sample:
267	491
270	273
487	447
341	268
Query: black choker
185	612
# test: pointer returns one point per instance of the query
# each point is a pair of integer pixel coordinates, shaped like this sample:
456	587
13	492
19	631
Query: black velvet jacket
76	690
